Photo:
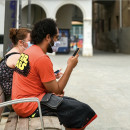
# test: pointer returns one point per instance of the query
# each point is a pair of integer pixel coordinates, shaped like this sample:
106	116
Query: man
34	77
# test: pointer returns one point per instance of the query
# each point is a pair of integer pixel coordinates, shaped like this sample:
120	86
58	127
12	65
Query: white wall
52	6
2	14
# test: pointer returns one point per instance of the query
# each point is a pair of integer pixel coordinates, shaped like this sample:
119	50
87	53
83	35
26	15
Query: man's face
55	38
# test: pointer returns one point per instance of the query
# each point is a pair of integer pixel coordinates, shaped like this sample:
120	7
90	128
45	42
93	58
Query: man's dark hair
41	29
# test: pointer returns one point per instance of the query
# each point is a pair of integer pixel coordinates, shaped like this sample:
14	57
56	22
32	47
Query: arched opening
37	13
69	19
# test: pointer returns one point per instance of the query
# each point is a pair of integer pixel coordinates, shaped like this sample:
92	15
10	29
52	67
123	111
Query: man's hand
72	61
58	87
60	95
59	75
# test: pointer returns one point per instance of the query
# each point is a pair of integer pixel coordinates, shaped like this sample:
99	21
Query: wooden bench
13	122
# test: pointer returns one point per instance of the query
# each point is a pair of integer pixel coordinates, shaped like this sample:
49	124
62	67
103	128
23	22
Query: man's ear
48	37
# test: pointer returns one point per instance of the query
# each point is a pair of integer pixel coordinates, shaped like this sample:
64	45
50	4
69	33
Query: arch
66	13
72	3
40	4
37	13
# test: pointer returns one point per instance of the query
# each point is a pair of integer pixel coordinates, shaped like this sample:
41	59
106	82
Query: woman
20	39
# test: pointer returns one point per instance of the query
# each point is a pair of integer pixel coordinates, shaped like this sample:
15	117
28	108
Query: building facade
111	26
63	11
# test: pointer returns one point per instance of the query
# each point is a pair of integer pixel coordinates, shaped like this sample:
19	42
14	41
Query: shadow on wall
108	42
114	41
124	40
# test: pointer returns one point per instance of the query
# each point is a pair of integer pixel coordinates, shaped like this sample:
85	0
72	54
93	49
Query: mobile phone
76	51
57	71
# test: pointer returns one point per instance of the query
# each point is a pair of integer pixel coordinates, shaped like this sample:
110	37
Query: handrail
16	101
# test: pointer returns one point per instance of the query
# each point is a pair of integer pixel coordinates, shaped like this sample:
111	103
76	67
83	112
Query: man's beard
49	49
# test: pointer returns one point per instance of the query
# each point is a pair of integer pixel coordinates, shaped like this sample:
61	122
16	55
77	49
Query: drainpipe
119	32
17	17
20	13
120	14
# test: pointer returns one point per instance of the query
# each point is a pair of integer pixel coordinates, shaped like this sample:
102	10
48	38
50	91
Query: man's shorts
71	113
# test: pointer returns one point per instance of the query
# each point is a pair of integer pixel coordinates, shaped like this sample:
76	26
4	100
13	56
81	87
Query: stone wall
124	40
106	26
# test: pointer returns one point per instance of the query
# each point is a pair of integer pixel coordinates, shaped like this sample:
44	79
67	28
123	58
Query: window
81	29
1	39
102	25
117	20
77	30
109	24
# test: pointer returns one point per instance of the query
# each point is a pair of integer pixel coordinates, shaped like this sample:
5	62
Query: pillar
87	34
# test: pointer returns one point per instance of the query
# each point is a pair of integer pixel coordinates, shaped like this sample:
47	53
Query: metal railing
22	100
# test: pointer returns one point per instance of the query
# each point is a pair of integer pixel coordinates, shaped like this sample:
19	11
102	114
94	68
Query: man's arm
58	87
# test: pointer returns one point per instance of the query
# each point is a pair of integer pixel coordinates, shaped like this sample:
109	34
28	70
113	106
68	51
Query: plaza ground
103	82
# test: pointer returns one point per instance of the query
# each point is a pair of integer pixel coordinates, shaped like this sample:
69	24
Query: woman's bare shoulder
12	60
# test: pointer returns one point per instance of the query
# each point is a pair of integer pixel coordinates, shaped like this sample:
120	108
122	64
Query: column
87	35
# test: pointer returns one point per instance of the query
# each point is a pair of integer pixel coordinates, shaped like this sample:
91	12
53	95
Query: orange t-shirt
32	69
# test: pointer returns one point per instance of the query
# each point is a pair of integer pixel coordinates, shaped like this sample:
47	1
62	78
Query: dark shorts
71	113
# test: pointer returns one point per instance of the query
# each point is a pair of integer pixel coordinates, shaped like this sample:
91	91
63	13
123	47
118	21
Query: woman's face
26	40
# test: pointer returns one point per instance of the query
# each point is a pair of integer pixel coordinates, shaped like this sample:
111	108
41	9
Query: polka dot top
6	75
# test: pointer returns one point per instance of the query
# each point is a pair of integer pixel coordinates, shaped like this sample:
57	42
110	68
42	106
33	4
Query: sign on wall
64	41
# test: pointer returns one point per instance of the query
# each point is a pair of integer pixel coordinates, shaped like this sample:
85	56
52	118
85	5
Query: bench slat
11	122
34	123
50	122
22	124
3	122
2	99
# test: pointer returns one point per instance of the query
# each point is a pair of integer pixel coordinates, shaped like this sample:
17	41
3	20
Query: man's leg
74	114
71	113
67	129
71	129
